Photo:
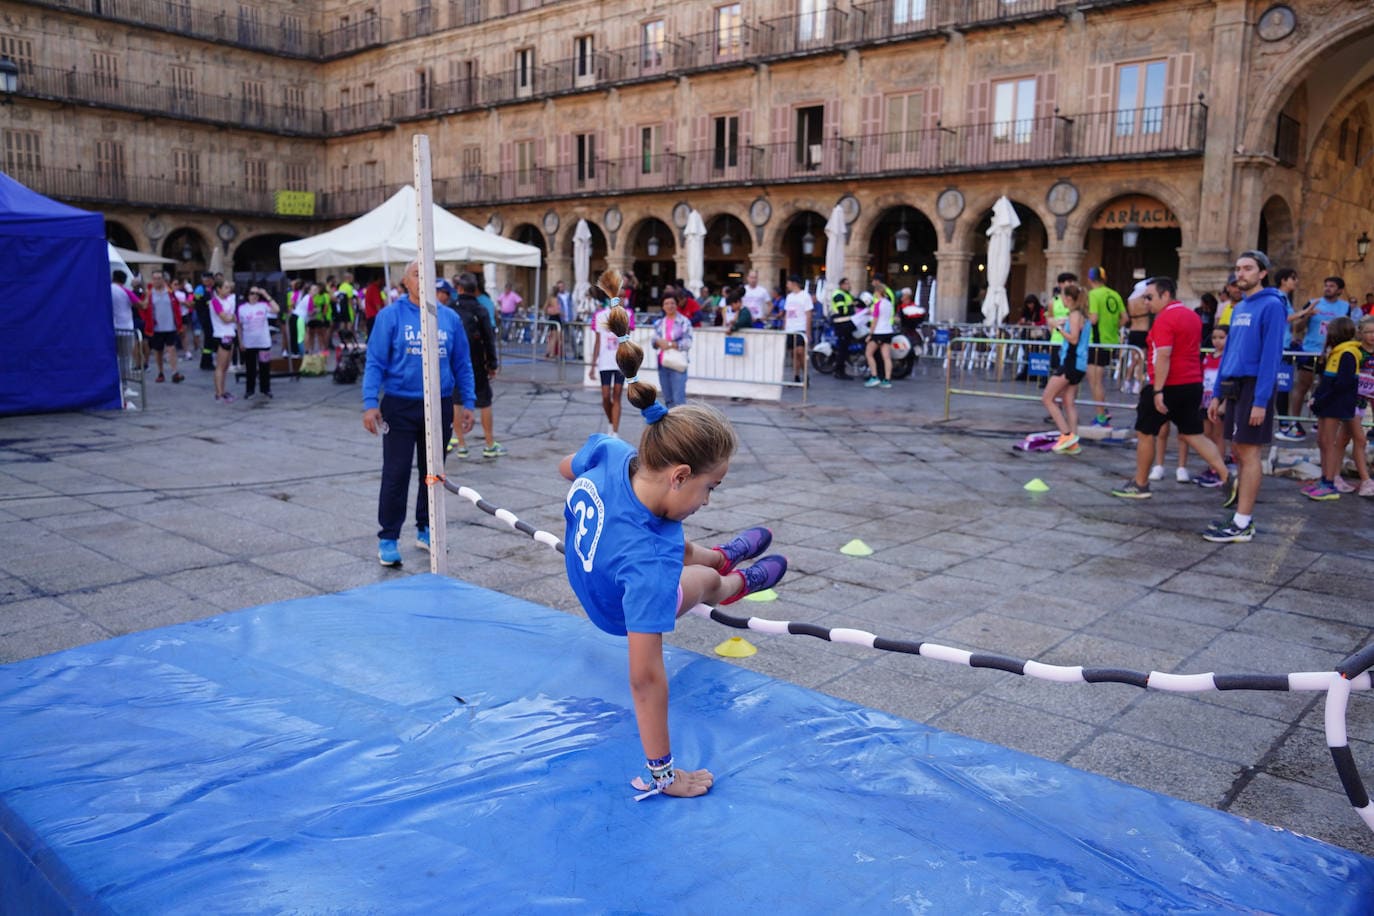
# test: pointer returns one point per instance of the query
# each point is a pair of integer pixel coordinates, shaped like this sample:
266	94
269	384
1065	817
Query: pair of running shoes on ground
764	574
495	450
1325	491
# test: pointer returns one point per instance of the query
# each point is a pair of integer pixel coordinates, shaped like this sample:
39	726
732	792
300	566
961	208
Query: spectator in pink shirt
508	302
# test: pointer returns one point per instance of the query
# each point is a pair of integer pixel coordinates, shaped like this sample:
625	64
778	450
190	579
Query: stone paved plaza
113	523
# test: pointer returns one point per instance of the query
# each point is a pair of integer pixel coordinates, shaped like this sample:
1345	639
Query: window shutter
565	152
830	126
870	113
507	157
627	142
1100	88
979	102
746	127
699	128
932	114
1045	85
1180	85
779	131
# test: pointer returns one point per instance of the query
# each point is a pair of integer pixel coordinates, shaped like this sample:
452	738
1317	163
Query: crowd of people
1223	399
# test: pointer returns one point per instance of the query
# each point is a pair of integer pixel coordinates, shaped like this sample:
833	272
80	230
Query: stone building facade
1191	128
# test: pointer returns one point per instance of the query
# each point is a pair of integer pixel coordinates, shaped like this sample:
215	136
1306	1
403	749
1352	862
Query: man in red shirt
1173	361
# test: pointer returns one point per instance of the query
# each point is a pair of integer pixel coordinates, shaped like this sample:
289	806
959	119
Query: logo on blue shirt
584	502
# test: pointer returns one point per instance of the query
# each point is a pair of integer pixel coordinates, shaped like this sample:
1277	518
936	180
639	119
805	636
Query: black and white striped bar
1350	674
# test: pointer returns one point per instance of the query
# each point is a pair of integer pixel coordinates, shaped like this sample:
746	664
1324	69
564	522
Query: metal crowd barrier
133	384
1013	369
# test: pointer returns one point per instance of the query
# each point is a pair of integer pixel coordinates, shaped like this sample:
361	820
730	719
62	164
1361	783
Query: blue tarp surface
57	345
315	756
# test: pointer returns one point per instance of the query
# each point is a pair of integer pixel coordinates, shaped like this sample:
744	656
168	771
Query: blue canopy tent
57	348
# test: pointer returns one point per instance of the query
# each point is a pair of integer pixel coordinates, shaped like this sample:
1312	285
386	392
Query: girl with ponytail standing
627	559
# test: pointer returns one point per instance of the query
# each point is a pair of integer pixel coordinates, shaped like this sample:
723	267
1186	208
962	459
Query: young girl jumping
1073	365
627	560
1334	405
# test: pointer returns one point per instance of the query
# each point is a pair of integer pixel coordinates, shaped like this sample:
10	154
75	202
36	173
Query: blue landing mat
313	756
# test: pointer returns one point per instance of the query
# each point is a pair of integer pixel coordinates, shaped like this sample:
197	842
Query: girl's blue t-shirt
624	563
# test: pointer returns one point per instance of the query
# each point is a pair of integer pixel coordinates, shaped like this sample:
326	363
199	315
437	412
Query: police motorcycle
825	359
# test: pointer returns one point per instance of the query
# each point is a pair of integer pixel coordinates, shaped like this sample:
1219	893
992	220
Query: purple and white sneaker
746	546
766	573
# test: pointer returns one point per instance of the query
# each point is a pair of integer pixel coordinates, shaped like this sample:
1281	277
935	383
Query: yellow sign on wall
295	203
1145	212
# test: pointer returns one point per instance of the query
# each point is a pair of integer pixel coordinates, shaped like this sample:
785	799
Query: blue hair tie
654	412
613	302
632	380
623	338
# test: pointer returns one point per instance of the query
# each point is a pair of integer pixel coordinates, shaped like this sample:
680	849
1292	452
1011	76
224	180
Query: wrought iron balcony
90	187
356	117
290	37
356	36
419	21
717	48
166	101
801	34
437	99
1140	133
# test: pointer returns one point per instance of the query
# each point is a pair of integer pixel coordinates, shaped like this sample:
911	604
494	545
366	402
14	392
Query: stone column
767	263
1212	252
951	290
1064	258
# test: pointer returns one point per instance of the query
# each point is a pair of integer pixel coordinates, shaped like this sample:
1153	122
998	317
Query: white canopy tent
387	236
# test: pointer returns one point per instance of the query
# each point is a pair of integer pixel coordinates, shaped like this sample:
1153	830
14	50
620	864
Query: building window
725	148
905	12
296	176
105	70
524	70
183	89
651	149
654	38
254	95
472	161
901	129
249	24
109	158
23	152
1013	110
524	161
422	81
186	168
294	100
19	50
811	20
729	31
583	52
1140	97
293	30
255	175
810	136
586	158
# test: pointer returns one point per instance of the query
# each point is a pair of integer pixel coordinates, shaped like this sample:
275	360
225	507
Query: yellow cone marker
735	647
856	548
1038	486
766	595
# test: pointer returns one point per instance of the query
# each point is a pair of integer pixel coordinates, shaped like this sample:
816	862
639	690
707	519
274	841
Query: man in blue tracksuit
395	367
1243	394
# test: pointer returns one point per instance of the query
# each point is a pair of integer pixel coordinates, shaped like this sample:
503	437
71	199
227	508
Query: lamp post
727	244
652	246
1361	249
808	240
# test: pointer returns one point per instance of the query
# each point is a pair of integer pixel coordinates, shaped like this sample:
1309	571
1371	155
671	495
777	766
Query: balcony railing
803	33
85	186
439	98
721	47
290	37
1142	133
417	22
356	117
128	95
356	36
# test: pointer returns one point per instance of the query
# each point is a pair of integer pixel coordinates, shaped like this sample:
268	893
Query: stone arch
1352	32
882	250
118	234
1277	234
872	211
1158	245
652	271
523	279
261	254
791	245
1093	201
1030	244
190	248
726	267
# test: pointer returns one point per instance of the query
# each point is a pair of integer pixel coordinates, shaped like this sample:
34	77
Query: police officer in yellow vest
842	319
